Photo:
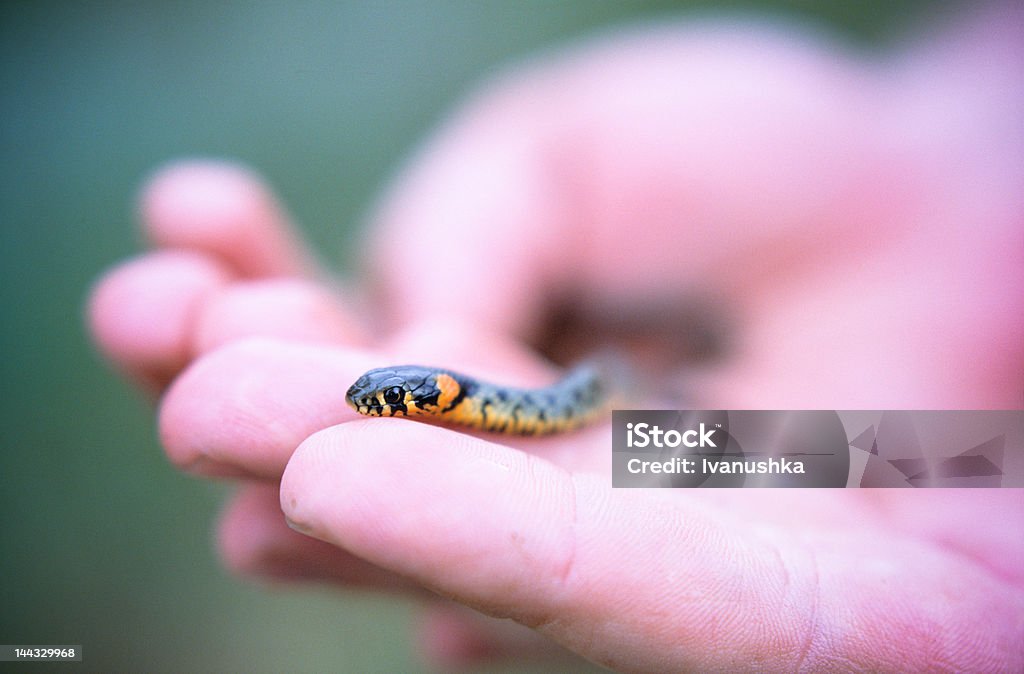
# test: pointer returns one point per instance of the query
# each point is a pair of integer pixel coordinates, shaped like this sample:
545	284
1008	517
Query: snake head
404	390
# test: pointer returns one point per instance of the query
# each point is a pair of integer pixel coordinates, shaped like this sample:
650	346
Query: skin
860	225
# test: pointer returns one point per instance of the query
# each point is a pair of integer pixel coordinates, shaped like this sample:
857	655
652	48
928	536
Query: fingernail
296	526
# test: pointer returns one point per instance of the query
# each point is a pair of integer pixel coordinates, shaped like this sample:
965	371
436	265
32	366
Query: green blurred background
103	544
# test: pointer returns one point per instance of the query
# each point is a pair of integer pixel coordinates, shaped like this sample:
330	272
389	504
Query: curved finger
242	410
514	536
153	315
226	211
142	313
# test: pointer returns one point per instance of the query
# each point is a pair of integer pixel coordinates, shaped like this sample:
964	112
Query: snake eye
393	395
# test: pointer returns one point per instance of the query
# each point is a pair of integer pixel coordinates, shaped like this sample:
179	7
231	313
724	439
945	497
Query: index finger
514	536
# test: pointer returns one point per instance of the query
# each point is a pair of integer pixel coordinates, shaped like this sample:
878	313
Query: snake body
437	394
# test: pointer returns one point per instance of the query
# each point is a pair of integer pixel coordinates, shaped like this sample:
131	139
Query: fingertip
333	482
224	209
192	201
425	501
141	312
205	421
338	478
242	409
306	500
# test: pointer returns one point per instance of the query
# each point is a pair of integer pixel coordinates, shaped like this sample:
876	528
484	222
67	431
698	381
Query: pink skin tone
859	221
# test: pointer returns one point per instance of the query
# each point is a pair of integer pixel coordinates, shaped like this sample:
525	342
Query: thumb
623	577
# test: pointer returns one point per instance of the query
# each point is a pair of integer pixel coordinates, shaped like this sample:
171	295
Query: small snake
430	393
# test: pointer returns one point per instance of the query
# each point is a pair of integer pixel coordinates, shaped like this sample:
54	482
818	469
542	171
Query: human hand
632	579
